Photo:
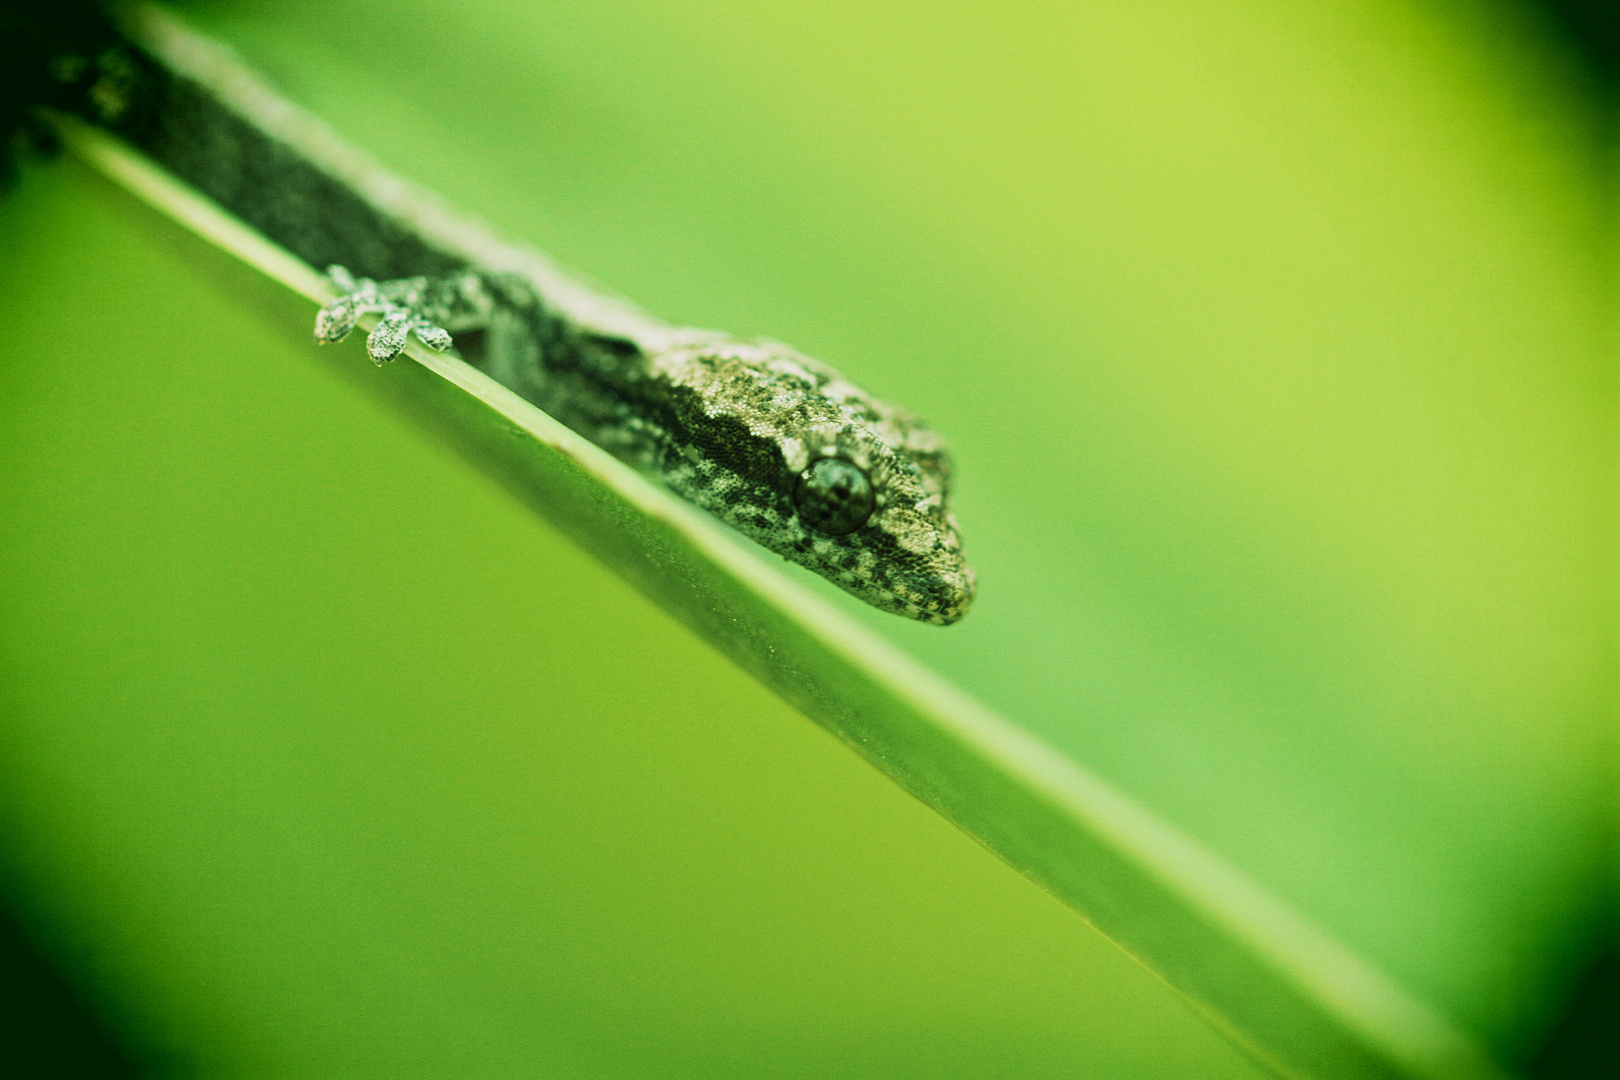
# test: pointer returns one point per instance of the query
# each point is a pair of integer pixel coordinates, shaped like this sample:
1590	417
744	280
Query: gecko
780	447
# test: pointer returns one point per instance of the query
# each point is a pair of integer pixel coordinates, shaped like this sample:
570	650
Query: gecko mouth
933	585
941	599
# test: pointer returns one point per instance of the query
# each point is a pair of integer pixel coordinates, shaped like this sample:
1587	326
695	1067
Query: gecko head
788	452
871	516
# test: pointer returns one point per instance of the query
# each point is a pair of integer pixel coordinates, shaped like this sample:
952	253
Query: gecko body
782	448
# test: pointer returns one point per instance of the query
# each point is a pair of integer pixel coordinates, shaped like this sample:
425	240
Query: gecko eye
834	496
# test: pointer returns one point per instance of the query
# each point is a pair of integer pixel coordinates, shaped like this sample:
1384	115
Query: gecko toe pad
398	302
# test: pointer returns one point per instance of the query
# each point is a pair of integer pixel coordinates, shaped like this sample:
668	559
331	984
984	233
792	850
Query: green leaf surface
1283	990
1276	395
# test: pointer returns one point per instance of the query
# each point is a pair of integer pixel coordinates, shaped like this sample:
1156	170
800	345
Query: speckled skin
782	448
733	426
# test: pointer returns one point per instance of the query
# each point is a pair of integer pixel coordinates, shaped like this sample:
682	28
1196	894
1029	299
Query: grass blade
1292	996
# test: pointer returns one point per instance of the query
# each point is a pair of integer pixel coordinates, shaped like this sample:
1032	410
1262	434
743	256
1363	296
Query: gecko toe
341	279
434	337
388	339
335	320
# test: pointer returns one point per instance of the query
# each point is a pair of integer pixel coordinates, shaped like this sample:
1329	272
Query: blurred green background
1274	341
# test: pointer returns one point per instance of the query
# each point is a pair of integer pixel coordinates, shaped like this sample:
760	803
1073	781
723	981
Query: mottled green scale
782	448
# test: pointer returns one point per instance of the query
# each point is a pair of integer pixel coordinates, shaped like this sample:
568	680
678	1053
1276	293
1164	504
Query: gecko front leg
419	305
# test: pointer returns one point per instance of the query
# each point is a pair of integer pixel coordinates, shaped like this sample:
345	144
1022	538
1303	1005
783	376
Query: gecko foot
403	304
